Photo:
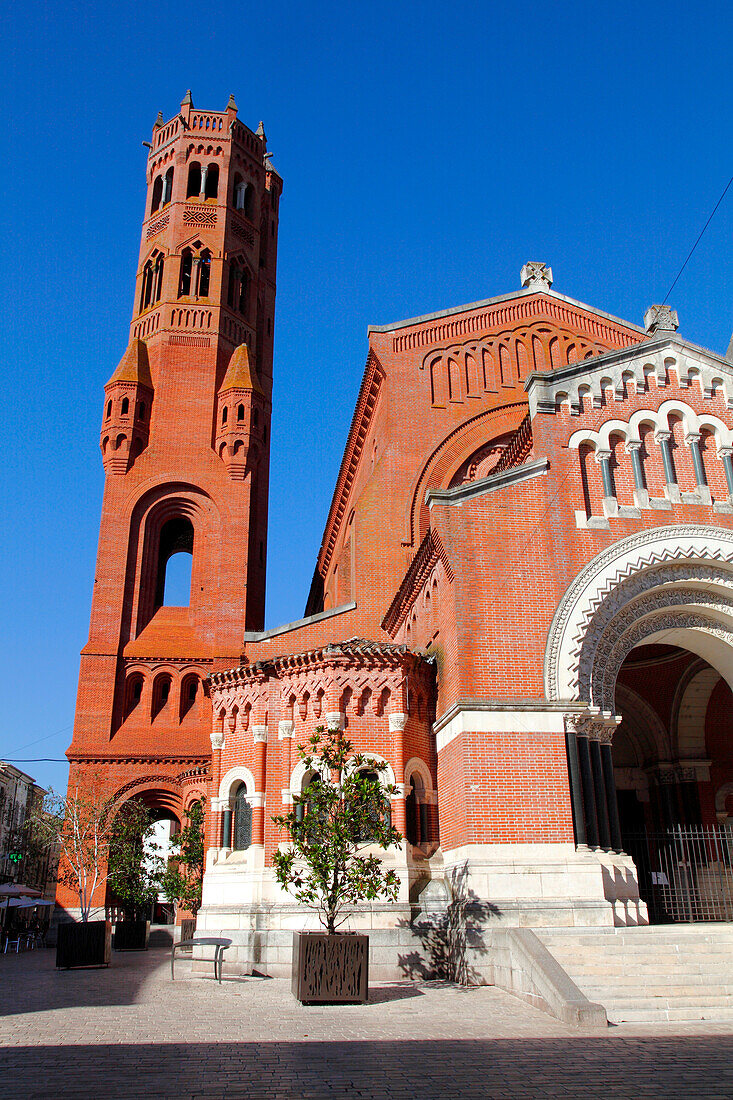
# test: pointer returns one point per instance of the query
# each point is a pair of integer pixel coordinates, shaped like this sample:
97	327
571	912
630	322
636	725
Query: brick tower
185	447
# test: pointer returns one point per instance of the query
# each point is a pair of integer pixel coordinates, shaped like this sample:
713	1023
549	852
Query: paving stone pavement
129	1032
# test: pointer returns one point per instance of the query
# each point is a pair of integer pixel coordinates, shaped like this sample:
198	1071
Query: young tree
183	880
134	867
81	823
342	809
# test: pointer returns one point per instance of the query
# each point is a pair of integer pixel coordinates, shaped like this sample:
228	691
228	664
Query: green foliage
134	867
183	879
343	810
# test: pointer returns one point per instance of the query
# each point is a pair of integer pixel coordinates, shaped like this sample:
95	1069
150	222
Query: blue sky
427	150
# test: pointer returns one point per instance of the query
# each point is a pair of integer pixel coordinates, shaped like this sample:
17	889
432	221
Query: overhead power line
699	238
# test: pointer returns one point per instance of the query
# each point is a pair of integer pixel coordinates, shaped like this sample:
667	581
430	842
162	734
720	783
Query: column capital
217	740
662	436
602	454
632	445
725	452
692	437
259	734
284	730
334	720
397	721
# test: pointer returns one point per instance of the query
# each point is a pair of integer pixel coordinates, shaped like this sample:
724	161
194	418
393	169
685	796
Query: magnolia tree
97	841
344	808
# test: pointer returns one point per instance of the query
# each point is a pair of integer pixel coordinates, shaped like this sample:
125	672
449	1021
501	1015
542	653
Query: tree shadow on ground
451	934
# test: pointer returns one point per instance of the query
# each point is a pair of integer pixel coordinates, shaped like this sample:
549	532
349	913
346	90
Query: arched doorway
642	644
163	814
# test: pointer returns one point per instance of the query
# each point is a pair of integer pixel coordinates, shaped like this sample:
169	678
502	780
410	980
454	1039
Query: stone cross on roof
536	276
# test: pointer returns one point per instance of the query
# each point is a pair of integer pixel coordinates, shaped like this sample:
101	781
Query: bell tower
185	445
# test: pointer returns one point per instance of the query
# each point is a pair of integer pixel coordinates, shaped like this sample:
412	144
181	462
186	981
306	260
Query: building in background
22	859
523	601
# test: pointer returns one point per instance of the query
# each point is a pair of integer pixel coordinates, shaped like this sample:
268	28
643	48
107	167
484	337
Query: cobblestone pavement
130	1032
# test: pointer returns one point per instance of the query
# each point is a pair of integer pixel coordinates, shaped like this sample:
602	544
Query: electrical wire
699	238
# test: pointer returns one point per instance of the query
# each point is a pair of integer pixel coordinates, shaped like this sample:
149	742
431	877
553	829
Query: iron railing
685	873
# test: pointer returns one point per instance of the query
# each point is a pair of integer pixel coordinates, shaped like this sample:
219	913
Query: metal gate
685	873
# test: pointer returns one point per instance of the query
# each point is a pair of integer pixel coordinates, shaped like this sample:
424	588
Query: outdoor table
203	941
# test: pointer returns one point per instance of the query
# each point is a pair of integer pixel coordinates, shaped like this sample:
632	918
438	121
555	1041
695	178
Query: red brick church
523	600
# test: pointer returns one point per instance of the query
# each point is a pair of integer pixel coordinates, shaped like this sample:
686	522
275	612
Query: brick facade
522	600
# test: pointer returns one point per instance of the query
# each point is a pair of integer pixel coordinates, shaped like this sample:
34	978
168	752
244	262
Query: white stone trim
397	722
285	730
605	572
240	774
416	764
500	721
259	734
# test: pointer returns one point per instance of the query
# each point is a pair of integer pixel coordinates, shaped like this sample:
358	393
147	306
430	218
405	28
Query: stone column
692	439
576	785
672	489
641	493
604	829
259	734
725	454
611	797
397	723
610	503
589	797
204	174
217	744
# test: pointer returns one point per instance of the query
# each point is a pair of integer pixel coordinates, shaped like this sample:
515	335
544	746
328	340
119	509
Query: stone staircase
680	972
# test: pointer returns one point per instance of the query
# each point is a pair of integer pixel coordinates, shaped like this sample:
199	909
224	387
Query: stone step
682	950
667	1015
598	976
630	939
606	994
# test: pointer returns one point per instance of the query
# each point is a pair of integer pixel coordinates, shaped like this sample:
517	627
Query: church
522	603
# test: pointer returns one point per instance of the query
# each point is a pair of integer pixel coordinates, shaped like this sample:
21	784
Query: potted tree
182	881
80	823
134	872
344	809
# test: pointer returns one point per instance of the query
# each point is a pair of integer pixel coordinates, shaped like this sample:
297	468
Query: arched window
158	279
175	560
157	194
204	273
232	283
238	189
193	186
161	693
184	283
240	412
212	182
189	691
256	417
224	414
412	827
146	288
248	201
168	186
133	692
141	410
243	292
242	820
109	410
376	815
124	410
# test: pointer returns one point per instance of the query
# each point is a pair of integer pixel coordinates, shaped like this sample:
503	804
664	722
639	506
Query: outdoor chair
13	940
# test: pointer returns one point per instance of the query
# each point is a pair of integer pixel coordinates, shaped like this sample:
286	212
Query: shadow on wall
450	927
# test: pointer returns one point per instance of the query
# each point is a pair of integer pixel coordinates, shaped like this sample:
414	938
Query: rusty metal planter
330	969
132	935
85	944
